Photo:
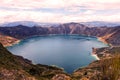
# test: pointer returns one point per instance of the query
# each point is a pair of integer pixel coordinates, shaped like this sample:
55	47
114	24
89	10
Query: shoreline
96	57
102	40
105	42
16	42
93	55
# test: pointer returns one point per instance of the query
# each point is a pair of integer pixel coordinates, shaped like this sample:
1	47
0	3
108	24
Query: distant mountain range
31	24
101	24
27	23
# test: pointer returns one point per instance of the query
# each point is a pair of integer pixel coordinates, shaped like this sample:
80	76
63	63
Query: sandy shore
102	40
94	55
11	44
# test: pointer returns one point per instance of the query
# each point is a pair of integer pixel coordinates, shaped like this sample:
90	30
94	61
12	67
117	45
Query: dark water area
66	51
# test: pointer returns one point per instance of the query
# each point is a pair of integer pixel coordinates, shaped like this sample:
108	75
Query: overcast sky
59	10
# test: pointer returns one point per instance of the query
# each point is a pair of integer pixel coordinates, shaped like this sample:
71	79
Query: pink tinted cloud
71	6
103	6
92	4
11	16
27	4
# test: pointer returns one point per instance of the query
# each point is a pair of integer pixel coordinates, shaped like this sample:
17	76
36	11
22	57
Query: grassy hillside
108	68
18	68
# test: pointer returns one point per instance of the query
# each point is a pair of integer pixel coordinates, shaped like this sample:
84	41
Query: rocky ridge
110	35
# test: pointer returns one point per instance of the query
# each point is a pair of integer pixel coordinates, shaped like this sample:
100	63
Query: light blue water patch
67	51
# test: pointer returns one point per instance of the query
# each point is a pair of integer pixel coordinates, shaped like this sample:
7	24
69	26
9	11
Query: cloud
10	16
59	10
93	4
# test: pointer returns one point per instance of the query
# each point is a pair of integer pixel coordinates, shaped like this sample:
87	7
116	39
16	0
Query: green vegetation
12	66
110	68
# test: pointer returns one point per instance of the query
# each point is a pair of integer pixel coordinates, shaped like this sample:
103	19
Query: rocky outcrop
7	40
106	52
61	77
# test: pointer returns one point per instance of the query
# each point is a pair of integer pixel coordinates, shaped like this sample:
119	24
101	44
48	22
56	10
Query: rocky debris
86	72
14	75
61	77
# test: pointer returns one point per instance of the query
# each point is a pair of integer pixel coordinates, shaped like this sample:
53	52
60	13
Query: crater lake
69	52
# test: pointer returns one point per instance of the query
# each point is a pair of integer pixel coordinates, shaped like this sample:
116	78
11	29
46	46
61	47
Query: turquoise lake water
66	51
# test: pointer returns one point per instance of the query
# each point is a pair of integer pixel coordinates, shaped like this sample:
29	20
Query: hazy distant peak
101	24
27	23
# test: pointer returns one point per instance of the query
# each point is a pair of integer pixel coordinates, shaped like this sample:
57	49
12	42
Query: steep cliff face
113	37
21	32
14	67
109	35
